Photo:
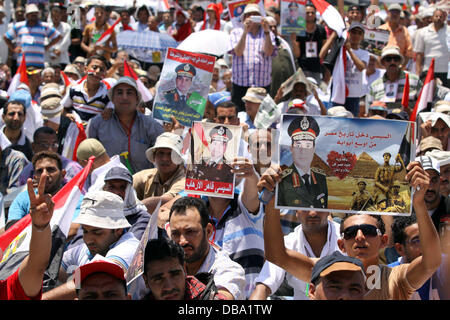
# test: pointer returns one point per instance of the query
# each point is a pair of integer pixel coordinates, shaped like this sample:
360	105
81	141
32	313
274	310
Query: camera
256	19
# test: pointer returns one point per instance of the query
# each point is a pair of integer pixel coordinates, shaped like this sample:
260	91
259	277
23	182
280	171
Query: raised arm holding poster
293	17
213	147
183	87
345	165
236	8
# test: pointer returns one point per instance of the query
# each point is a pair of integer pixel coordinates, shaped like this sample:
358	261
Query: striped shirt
240	235
85	106
380	86
122	252
253	68
32	41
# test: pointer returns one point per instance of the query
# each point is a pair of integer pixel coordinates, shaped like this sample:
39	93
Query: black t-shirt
75	50
310	45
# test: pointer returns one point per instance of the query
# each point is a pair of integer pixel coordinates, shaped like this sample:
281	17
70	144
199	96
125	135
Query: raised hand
41	204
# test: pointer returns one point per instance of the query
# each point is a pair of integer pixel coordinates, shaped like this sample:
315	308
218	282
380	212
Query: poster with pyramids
183	86
344	165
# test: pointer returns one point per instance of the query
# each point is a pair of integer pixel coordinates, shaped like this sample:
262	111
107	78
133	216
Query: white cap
31	8
443	157
102	209
429	163
340	112
167	140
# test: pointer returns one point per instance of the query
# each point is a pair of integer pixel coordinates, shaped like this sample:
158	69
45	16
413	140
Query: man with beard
316	237
389	88
301	185
436	204
165	274
104	232
47	162
190	227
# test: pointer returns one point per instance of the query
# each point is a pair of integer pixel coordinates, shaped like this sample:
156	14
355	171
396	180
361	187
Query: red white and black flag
15	242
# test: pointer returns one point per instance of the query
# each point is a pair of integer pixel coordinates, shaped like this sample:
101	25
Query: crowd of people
210	247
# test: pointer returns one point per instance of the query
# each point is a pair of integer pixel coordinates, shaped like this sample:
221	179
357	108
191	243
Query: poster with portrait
213	148
236	9
345	164
183	86
293	17
375	40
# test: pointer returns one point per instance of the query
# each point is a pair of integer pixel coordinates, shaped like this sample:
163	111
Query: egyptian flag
21	76
15	242
75	134
107	34
127	27
339	89
330	15
163	5
405	97
426	94
129	72
66	79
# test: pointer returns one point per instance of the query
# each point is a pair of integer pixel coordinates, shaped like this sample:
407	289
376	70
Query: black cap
303	128
185	70
119	173
221	133
335	262
397	114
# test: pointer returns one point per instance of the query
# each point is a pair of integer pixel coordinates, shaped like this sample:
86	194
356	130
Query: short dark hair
226	105
162	248
97	57
380	223
180	206
399	225
5	108
43	130
47	154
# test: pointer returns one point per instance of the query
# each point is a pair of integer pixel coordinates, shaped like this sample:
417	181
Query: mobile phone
256	19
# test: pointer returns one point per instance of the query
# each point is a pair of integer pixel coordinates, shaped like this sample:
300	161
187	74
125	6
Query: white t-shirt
353	77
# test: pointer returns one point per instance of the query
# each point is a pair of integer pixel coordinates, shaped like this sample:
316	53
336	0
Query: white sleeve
229	275
271	275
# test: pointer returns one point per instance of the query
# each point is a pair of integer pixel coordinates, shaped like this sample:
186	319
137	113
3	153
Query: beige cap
340	112
31	8
251	7
102	209
167	140
394	6
391	51
80	59
255	95
88	148
50	101
70	68
154	72
430	142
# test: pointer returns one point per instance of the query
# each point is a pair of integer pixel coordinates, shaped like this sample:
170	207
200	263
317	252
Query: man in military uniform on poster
301	185
291	20
215	168
362	199
396	202
384	177
177	98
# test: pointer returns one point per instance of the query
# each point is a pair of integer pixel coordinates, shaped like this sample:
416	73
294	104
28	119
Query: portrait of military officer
291	20
177	98
384	177
362	199
215	167
301	185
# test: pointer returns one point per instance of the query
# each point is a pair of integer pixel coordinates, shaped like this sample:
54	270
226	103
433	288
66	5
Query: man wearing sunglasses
363	237
389	87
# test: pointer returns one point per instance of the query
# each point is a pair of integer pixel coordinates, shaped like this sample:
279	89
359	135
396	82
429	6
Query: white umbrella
208	41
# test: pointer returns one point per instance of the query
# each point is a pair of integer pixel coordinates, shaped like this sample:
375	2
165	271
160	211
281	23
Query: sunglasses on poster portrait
367	229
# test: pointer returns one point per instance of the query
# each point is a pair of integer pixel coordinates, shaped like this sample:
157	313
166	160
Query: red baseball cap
99	265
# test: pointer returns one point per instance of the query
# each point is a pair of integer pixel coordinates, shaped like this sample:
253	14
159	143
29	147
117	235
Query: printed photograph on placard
345	164
236	9
213	148
375	40
293	17
183	86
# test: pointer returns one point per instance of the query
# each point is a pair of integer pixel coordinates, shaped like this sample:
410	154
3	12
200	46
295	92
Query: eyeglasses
49	145
367	229
390	58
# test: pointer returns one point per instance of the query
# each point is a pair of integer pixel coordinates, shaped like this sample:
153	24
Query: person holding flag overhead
99	37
